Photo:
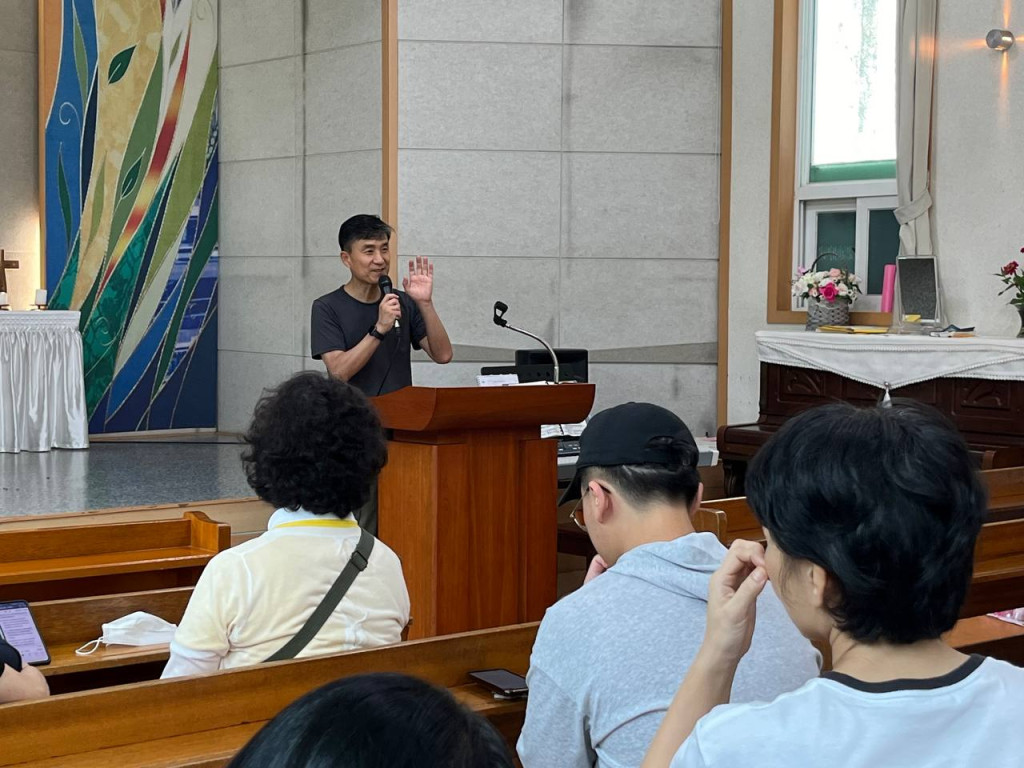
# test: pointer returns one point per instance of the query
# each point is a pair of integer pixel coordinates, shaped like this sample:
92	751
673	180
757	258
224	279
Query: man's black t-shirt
340	321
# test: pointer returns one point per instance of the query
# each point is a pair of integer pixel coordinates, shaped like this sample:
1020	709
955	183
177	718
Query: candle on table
40	296
888	287
3	298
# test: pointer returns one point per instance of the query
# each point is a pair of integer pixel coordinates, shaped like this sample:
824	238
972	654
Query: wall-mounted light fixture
999	39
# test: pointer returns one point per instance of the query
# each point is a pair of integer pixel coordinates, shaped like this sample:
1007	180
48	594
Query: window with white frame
846	141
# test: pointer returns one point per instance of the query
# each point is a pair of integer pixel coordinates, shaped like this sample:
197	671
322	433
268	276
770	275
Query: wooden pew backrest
740	520
62	726
998	581
83	540
708	520
247	516
66	625
1005	493
75	561
80	619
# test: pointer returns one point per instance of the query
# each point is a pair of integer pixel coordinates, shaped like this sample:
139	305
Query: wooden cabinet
989	413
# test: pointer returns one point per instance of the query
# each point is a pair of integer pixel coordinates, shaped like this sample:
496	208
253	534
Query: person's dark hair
645	484
886	500
363	226
376	721
314	442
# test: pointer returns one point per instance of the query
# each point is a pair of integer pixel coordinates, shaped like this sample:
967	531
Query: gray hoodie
609	657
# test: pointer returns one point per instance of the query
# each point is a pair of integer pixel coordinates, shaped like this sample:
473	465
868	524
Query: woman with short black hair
376	721
870	517
315	449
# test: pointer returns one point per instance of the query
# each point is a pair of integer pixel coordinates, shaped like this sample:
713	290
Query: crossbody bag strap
356	565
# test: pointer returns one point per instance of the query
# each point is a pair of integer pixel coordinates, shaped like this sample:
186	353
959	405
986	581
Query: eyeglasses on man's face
577	515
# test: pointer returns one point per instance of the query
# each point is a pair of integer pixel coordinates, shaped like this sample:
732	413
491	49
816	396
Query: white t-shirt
971	717
253	598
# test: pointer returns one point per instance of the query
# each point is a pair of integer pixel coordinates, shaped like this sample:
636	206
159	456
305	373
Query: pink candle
888	287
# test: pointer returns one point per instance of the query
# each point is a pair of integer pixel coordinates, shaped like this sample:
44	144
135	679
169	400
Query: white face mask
139	628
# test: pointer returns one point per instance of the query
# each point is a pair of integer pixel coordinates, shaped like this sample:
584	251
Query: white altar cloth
42	382
892	361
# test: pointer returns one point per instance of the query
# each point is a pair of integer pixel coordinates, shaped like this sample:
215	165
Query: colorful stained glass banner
130	186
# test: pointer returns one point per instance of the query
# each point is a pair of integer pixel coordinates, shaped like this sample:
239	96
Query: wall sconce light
999	39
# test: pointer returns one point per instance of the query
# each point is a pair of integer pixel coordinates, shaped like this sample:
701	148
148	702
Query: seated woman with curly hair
315	449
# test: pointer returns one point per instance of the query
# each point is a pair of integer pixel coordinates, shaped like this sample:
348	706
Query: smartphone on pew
18	627
502	683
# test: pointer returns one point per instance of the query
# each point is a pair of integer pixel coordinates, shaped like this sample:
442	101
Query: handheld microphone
385	288
500	308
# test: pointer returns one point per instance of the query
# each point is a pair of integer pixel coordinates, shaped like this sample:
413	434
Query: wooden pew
66	625
998	582
1005	493
740	522
989	637
246	516
573	541
79	561
1005	489
204	721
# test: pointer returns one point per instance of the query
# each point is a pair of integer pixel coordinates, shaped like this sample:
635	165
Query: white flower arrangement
828	286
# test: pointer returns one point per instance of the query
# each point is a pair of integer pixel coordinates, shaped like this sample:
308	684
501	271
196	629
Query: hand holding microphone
390	308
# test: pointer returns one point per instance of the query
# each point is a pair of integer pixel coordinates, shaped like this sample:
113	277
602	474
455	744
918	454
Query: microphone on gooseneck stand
385	288
500	308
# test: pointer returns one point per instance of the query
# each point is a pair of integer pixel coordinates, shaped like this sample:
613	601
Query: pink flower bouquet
829	286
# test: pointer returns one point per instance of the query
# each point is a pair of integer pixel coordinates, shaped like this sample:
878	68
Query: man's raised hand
419	284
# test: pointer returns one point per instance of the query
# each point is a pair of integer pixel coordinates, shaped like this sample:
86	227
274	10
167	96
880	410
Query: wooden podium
468	500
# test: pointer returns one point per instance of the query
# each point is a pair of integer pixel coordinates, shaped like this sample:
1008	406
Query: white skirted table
892	361
977	382
42	382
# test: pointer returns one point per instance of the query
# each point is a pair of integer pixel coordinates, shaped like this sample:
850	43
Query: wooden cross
4	266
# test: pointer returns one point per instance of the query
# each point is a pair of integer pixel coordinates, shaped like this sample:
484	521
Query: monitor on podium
535	365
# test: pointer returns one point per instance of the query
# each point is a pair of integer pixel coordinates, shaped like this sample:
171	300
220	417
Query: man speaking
365	331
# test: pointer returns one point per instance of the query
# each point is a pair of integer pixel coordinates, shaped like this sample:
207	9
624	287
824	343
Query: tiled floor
118	474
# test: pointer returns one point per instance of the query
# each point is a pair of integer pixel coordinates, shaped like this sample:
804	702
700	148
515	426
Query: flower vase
821	313
1020	333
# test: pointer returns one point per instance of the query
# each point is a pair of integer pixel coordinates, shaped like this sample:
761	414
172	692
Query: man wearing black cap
609	657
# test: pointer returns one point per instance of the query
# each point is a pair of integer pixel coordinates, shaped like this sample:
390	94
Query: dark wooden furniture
79	561
989	414
466	500
204	721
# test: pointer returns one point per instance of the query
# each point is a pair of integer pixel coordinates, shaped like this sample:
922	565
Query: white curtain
42	383
915	62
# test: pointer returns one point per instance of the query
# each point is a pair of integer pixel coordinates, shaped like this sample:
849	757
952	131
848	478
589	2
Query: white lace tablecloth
42	382
892	361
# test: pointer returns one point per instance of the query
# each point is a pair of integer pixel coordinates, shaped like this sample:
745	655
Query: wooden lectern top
433	409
